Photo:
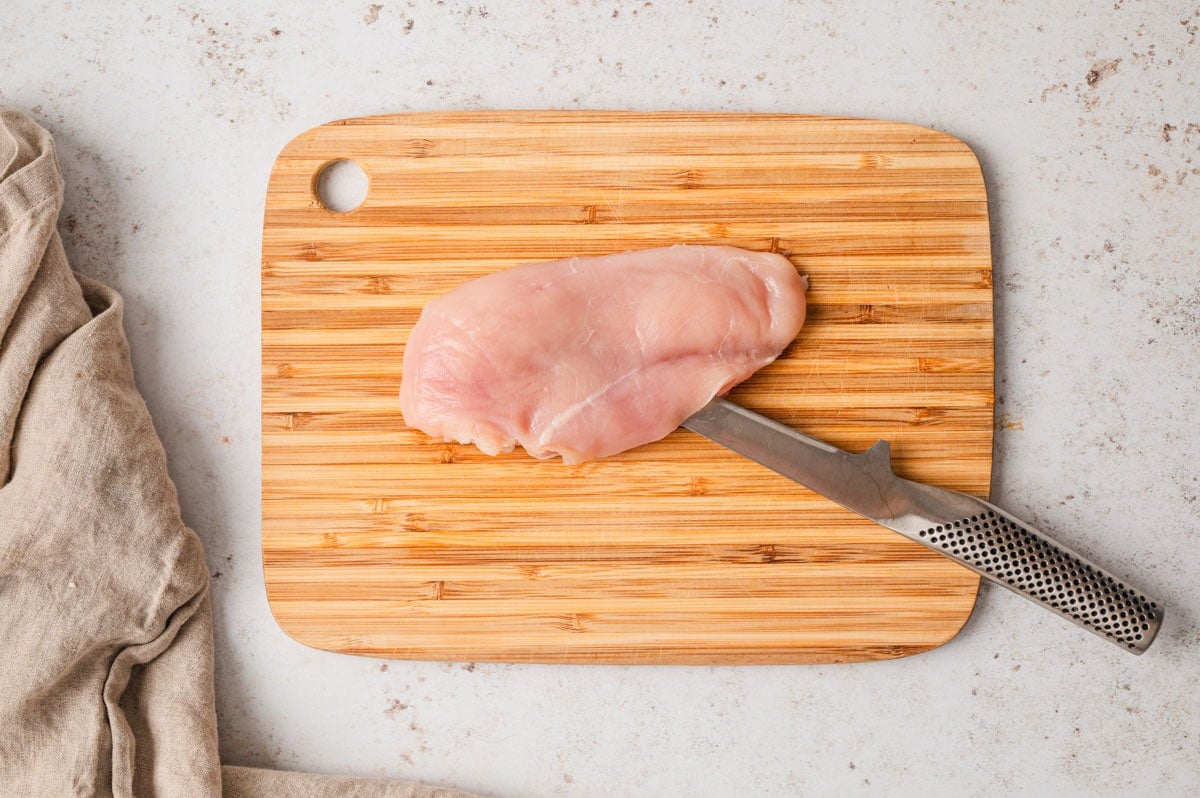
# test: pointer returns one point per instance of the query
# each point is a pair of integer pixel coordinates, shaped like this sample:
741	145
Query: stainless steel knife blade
970	531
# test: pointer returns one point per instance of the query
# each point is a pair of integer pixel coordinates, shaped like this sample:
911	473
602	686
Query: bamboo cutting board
378	540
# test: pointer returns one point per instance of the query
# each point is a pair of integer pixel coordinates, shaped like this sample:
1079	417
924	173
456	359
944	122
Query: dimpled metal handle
1010	552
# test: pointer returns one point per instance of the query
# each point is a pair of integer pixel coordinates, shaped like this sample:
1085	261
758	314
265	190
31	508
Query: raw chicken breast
587	357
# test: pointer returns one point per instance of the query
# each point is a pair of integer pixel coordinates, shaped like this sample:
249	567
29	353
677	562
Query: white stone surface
1087	120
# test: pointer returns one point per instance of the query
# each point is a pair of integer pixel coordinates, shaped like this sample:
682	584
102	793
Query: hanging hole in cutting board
342	186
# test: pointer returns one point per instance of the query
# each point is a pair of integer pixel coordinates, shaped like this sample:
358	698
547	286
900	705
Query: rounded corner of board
967	150
289	632
955	628
292	144
947	630
305	137
949	138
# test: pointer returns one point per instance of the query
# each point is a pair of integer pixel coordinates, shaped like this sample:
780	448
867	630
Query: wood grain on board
379	540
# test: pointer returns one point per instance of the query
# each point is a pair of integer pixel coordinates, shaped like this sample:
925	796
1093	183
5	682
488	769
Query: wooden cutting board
378	540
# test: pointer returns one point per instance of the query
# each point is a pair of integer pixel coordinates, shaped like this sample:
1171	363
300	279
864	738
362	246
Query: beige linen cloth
106	666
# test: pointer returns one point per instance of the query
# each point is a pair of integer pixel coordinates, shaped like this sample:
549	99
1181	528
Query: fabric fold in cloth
106	685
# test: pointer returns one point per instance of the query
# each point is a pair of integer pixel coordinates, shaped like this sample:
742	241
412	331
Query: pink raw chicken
587	357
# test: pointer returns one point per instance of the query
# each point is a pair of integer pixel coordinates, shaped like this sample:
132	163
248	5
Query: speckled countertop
1087	122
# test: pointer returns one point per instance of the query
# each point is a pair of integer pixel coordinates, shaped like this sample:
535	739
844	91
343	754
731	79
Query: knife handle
1012	553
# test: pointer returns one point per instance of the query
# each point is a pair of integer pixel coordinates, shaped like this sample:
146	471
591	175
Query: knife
991	542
